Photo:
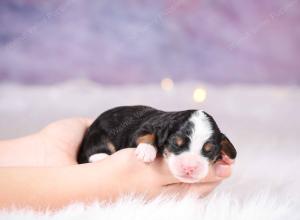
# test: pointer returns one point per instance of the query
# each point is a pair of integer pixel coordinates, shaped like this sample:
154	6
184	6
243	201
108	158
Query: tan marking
179	141
208	146
148	139
111	147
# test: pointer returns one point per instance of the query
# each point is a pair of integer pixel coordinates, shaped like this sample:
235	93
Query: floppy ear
227	147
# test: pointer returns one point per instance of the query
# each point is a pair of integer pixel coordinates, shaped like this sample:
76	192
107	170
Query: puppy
190	140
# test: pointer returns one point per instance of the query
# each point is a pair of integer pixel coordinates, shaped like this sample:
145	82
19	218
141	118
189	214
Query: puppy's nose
189	170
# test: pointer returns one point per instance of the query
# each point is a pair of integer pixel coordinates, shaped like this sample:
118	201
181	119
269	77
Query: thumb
163	173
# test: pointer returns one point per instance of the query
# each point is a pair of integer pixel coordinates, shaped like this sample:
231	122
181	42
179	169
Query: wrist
25	151
138	177
104	180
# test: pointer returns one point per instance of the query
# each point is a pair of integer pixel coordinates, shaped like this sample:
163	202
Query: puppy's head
197	144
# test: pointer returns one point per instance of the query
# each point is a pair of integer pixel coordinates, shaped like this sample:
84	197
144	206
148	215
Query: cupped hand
61	140
57	145
155	178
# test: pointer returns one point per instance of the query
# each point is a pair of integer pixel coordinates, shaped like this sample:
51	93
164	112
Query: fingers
220	170
86	121
160	170
227	159
180	190
223	167
202	189
155	177
156	171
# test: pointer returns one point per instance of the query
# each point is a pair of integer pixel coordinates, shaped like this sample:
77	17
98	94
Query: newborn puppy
189	140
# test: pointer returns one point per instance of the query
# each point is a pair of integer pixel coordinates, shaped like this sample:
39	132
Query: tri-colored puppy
189	140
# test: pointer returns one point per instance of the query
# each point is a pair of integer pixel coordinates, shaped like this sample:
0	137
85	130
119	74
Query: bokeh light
167	84
200	95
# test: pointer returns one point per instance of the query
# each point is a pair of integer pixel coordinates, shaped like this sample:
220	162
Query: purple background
118	42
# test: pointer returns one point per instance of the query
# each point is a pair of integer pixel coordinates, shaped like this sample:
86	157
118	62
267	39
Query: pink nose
189	170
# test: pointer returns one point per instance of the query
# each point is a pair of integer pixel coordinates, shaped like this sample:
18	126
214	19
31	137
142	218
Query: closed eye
208	147
175	146
178	144
211	150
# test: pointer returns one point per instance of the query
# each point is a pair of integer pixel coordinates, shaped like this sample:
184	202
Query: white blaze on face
191	166
202	131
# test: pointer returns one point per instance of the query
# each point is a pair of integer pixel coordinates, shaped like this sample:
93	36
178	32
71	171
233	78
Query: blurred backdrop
238	60
121	42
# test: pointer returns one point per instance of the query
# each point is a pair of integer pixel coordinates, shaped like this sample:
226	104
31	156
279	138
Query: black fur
122	126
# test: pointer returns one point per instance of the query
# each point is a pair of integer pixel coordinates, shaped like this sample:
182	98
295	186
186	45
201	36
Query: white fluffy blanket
262	122
223	206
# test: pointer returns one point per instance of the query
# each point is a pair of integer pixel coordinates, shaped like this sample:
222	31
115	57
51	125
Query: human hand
121	173
54	145
155	178
61	140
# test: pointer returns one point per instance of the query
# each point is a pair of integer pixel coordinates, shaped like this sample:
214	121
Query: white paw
97	157
146	152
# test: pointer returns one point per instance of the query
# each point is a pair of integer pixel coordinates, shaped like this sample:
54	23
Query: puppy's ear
227	147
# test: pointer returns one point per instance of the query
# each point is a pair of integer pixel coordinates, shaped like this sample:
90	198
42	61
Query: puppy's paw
146	152
97	157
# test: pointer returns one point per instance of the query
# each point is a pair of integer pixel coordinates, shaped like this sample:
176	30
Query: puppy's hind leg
95	147
97	157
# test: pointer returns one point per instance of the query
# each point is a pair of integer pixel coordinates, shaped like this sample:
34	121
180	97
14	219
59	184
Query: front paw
146	152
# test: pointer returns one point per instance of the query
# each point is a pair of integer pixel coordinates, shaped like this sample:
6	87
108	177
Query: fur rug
222	206
265	181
